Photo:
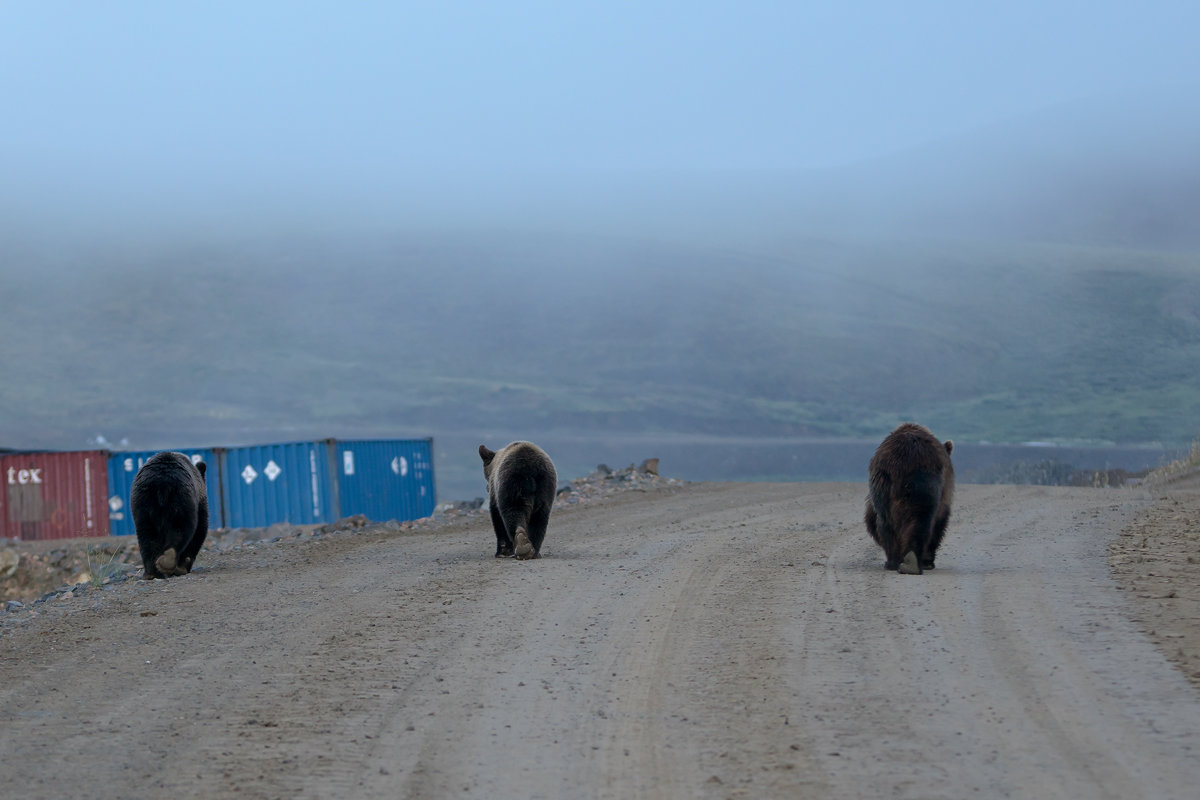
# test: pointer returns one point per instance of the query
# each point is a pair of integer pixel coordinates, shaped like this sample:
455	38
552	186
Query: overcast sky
165	94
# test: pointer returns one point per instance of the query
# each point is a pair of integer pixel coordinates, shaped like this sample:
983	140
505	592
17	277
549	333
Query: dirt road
712	641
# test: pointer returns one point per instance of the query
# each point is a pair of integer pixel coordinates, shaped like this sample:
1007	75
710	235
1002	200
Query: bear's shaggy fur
908	505
521	483
169	504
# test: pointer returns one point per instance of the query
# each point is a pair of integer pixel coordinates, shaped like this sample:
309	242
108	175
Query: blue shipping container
265	484
122	467
386	479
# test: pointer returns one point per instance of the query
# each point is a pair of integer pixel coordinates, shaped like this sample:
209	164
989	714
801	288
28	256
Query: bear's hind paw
166	562
523	548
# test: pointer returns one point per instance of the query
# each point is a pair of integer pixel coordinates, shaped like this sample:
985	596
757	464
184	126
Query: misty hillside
409	334
1035	280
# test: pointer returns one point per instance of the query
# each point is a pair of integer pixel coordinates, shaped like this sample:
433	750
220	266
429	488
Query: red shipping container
54	495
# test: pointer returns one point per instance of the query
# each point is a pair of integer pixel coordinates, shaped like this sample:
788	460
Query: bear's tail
164	495
172	516
923	492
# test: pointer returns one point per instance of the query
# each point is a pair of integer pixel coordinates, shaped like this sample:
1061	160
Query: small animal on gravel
169	504
911	485
521	483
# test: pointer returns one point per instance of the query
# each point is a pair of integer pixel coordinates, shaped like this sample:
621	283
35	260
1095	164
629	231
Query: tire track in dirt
718	641
629	675
1011	664
275	698
688	665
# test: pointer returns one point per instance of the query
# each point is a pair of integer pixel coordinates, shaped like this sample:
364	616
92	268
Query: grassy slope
1003	343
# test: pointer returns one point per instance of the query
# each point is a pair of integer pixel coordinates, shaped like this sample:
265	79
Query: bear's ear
949	447
486	455
200	465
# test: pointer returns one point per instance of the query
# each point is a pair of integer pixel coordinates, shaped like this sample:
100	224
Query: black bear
169	504
908	505
521	483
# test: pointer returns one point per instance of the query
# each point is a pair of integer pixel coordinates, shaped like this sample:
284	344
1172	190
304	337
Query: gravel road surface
709	640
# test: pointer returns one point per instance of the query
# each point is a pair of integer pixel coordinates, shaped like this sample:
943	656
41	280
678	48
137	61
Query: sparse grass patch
1182	466
99	568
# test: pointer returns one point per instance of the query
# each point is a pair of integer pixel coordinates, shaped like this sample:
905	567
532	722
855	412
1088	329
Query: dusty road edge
1156	564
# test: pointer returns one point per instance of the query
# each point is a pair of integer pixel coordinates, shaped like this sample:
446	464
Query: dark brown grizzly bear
521	483
169	504
908	505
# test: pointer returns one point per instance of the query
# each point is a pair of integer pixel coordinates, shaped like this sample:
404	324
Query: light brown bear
521	483
908	505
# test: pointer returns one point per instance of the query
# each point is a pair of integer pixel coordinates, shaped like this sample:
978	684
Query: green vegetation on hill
810	337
